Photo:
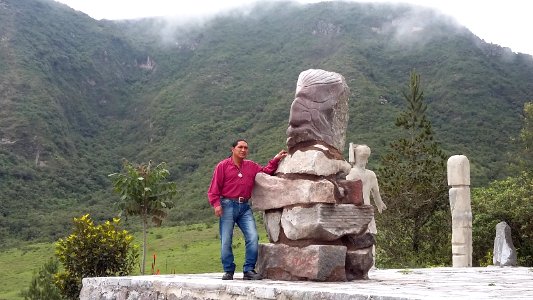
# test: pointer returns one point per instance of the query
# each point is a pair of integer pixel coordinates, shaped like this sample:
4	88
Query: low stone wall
434	283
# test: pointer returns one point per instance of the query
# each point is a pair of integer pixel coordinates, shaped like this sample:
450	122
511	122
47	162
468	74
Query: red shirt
227	183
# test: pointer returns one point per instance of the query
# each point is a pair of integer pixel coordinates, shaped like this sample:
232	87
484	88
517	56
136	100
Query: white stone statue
358	156
459	180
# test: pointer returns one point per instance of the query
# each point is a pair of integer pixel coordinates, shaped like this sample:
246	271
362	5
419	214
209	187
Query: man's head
239	149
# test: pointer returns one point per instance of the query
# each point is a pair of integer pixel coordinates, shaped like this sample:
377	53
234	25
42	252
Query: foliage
509	200
526	138
187	249
413	183
77	96
93	251
42	284
144	192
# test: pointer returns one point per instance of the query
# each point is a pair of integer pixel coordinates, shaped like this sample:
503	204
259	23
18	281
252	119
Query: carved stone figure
319	110
459	180
359	157
315	218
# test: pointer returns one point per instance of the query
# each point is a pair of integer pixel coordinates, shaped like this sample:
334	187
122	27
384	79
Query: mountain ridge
79	95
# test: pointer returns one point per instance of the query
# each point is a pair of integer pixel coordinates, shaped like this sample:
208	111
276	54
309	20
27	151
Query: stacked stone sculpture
315	219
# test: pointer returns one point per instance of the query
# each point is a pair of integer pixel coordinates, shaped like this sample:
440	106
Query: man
229	192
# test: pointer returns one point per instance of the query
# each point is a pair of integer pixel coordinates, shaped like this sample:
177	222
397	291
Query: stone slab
390	284
326	222
271	192
312	162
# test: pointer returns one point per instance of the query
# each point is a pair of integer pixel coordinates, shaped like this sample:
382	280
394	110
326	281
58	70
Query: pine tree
414	187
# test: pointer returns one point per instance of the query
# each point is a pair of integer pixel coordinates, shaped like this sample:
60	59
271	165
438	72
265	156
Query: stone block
313	162
458	170
460	206
272	221
356	242
326	222
358	263
504	250
271	192
352	191
315	262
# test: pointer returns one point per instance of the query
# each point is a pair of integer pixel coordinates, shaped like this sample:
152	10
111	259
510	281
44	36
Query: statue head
319	111
358	154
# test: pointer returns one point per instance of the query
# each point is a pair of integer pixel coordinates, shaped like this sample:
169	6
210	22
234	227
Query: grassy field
178	250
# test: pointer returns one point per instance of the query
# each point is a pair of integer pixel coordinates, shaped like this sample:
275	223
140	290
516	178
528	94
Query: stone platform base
435	283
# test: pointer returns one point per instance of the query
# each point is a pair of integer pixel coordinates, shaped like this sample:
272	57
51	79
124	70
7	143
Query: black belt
238	199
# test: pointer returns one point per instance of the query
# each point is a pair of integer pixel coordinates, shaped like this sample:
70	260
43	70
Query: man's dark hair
237	141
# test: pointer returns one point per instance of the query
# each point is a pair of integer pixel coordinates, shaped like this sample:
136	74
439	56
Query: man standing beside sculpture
229	192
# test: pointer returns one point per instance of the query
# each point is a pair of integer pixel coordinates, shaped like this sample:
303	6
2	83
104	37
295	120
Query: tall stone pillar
459	180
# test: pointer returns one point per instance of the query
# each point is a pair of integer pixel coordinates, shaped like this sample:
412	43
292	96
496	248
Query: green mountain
77	95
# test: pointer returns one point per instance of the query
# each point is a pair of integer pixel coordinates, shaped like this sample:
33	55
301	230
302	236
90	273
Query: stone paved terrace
433	283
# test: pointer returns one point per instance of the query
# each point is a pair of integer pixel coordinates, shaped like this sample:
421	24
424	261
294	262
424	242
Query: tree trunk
144	244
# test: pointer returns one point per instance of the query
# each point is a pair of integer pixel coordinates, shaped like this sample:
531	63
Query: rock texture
319	111
315	262
315	218
325	222
504	250
275	192
312	162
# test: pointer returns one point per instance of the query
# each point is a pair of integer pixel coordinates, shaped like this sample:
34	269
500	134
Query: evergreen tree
42	284
413	184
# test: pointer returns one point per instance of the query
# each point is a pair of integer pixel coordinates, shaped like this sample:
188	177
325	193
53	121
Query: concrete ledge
434	283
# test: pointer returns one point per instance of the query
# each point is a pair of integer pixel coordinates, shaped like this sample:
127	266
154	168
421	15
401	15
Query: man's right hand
218	211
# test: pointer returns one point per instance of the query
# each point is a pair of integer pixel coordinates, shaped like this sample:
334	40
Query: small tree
42	284
145	193
413	183
93	251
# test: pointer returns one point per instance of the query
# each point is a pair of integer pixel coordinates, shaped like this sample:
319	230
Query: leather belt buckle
241	200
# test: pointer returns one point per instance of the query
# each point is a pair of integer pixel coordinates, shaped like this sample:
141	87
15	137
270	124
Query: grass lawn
179	250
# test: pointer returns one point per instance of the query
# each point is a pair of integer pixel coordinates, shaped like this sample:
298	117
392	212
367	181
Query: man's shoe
227	276
252	275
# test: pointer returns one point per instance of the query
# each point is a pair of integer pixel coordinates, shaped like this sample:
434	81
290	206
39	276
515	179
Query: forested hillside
77	95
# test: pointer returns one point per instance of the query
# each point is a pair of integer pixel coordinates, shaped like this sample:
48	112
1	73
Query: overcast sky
508	23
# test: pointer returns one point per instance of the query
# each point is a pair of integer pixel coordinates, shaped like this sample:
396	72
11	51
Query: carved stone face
319	110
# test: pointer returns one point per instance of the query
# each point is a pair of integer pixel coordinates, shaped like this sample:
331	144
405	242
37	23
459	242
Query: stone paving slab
431	283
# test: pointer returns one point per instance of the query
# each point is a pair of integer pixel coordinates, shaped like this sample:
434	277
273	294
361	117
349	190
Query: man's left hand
282	154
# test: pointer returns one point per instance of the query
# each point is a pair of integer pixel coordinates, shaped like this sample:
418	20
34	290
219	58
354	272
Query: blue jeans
240	214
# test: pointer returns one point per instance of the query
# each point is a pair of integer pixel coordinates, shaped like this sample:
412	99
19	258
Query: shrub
94	251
